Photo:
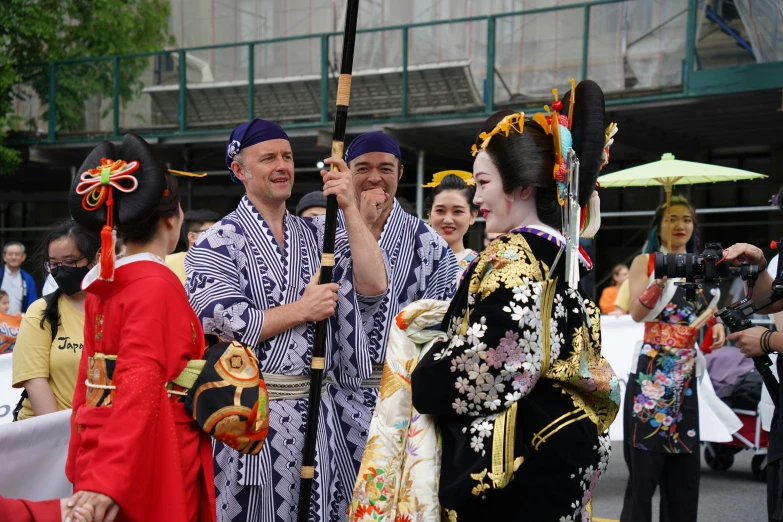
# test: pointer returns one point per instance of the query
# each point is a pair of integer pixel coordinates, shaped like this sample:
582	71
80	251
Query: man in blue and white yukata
252	277
420	266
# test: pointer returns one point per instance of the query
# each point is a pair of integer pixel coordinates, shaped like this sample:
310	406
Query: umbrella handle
668	188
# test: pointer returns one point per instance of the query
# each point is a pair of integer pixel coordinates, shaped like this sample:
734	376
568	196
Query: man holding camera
755	342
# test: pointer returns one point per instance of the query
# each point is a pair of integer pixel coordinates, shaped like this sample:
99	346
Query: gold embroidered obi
670	335
224	393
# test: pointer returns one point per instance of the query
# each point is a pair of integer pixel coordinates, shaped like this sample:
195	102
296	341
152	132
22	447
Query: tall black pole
327	264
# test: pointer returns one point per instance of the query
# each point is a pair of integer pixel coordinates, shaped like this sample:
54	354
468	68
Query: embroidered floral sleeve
494	368
498	348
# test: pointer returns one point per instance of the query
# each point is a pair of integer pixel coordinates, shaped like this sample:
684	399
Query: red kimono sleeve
133	444
80	390
13	510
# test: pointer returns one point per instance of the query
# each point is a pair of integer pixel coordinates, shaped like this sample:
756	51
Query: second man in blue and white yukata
252	277
420	265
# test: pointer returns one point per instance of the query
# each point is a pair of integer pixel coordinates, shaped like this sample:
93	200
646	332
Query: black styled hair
456	183
137	212
654	242
527	159
195	219
87	243
145	229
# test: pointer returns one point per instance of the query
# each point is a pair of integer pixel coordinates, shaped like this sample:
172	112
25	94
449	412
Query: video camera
702	270
708	269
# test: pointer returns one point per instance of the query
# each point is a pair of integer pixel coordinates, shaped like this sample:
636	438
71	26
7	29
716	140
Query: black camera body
700	270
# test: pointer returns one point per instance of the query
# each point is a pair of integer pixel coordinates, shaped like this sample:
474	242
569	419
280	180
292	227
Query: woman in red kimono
135	452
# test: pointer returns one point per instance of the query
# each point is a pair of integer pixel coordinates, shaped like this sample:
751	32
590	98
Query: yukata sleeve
442	281
217	282
369	305
348	357
496	355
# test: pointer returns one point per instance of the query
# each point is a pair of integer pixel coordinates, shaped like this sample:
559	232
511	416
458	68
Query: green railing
60	74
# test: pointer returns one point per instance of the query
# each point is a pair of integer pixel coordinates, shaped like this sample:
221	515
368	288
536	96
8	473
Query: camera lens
676	265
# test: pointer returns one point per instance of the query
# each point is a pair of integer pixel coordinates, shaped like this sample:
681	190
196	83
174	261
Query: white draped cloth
400	469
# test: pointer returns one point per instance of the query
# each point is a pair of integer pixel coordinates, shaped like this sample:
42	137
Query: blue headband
248	134
372	142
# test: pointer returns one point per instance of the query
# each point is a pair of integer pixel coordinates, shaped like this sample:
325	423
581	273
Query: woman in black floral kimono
522	394
661	413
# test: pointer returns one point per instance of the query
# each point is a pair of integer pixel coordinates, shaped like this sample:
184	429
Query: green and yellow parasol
669	172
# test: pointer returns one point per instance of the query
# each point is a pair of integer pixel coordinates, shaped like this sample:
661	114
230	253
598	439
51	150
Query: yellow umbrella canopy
669	172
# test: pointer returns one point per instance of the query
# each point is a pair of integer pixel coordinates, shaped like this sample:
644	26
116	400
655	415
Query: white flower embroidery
518	313
462	384
492	404
460	406
478	371
445	352
479	350
483	428
476	332
559	307
522	293
511	398
477	444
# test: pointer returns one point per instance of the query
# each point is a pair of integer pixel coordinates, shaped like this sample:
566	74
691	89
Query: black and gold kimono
522	394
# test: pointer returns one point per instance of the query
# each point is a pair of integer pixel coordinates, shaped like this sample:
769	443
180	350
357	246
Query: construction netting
636	43
632	46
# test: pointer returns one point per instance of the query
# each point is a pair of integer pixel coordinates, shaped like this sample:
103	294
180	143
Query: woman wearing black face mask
49	344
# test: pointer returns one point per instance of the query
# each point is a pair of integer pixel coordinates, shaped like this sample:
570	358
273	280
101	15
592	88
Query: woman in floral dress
522	394
661	415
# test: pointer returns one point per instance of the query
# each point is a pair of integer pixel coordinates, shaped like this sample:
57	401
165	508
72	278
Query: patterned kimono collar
552	235
397	215
251	209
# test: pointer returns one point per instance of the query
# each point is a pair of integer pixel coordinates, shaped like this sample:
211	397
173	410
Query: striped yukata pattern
237	270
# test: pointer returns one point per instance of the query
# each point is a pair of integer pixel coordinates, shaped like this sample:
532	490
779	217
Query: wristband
651	296
765	342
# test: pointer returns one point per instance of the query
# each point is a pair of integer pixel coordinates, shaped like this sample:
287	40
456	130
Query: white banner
619	335
33	453
9	397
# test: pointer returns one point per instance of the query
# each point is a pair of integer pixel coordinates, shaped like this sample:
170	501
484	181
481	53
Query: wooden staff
327	264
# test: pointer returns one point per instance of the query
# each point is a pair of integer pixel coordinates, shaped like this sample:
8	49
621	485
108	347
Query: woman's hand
749	341
718	336
81	514
745	253
104	507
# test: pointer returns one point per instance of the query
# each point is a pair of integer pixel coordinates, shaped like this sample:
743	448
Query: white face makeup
497	207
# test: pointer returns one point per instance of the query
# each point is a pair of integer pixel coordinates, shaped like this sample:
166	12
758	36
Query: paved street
732	495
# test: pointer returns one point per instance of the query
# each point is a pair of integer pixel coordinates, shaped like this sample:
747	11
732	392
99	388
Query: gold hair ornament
514	121
187	174
437	178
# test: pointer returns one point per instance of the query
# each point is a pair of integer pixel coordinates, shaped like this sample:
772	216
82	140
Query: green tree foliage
34	32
